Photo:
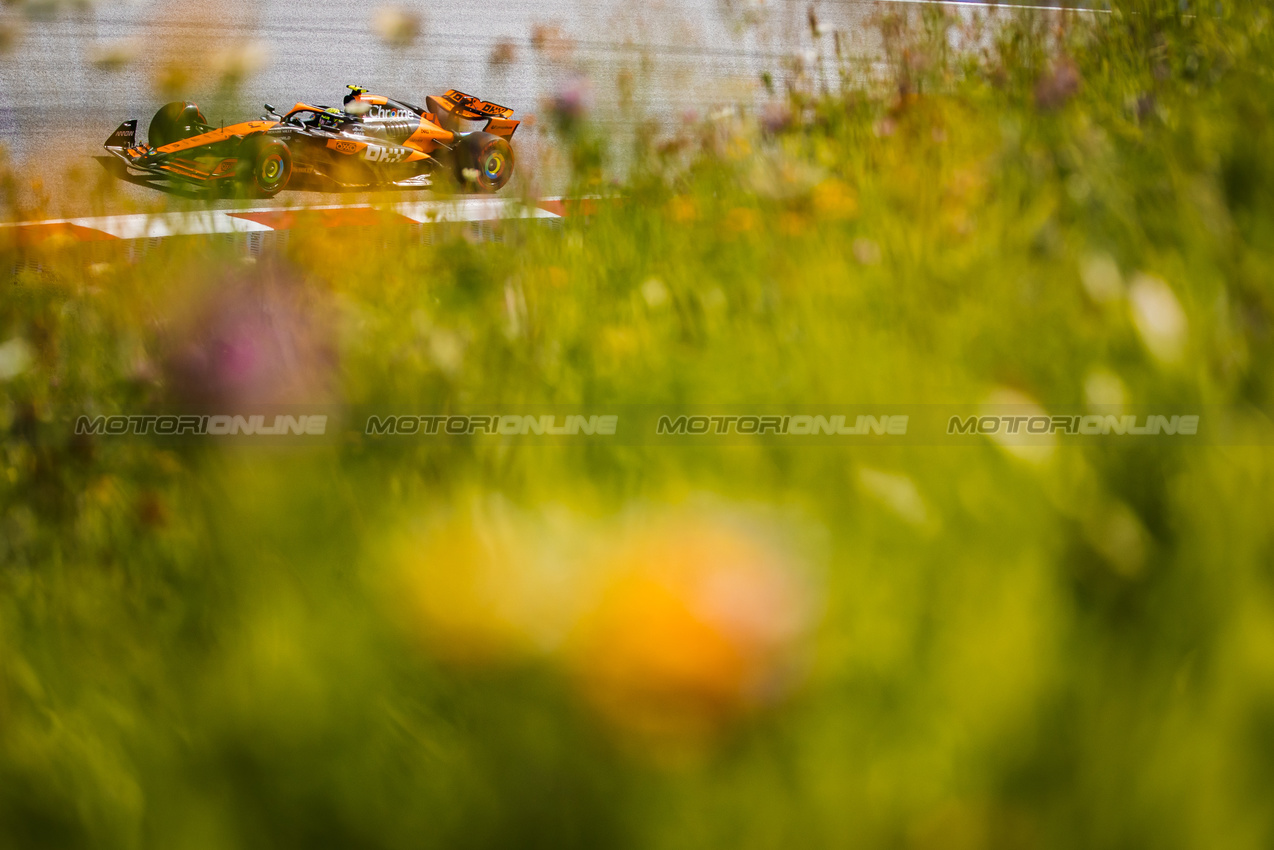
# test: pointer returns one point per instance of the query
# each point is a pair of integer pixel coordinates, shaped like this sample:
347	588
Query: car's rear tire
175	121
484	162
265	166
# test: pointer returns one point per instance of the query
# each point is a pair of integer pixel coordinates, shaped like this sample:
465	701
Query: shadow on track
299	183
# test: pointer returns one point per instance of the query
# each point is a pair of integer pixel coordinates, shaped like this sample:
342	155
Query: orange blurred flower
670	635
699	623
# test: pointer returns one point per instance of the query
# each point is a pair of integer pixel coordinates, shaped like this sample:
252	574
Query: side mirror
270	111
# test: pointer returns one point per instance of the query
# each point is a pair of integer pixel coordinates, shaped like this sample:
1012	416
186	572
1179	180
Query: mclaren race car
369	141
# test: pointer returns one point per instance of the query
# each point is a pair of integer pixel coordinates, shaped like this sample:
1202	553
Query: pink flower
251	342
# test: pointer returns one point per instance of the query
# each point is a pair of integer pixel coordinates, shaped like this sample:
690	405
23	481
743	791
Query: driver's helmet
353	105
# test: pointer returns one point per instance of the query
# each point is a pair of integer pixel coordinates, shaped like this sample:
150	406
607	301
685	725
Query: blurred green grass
203	646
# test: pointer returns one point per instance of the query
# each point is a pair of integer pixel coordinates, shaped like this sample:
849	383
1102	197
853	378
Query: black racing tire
489	156
265	166
175	121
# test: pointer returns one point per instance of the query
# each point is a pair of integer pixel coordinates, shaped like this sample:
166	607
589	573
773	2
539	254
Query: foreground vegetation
485	643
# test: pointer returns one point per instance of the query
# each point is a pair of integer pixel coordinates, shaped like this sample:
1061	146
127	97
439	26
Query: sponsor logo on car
385	155
345	146
388	112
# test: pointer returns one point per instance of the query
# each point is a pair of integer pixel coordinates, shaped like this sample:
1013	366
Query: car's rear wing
457	105
467	106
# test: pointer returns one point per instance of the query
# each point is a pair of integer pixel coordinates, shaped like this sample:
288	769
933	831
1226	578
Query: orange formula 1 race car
371	140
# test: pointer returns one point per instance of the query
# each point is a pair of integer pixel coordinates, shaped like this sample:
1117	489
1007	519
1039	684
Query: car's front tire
265	166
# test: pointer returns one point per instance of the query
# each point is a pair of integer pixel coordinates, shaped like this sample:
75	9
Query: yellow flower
683	210
487	585
792	224
742	220
835	199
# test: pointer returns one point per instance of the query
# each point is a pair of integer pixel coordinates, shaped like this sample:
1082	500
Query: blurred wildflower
817	29
866	251
1058	85
835	199
571	102
257	342
1102	280
15	358
683	209
742	220
620	342
489	584
793	224
558	276
9	35
1105	391
1078	189
236	62
654	292
1116	533
1032	448
713	300
446	350
552	41
1143	106
746	13
151	510
172	78
1158	317
515	307
503	54
953	825
700	622
776	116
113	56
897	492
783	178
626	88
397	27
671	628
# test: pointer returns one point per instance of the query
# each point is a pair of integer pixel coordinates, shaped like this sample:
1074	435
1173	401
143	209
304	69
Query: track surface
72	78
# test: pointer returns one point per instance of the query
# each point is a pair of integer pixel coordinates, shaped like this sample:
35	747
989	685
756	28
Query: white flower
1104	389
15	357
1102	281
897	492
1017	441
654	291
1158	317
